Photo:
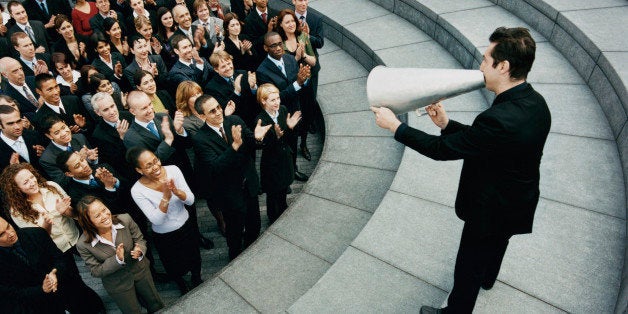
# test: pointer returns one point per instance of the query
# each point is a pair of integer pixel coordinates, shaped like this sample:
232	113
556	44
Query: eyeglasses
215	110
152	164
275	45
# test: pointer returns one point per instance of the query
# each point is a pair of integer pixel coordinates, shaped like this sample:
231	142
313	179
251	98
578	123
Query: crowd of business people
117	116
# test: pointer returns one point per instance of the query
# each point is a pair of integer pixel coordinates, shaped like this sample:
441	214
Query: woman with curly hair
34	202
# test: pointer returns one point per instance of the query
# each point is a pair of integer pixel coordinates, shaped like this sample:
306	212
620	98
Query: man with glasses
166	138
222	150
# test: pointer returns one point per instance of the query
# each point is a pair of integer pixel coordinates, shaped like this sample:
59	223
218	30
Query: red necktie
264	18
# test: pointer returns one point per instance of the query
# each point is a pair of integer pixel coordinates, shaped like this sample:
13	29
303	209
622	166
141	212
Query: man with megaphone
502	148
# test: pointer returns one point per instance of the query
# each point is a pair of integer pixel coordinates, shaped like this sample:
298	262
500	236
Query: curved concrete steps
403	256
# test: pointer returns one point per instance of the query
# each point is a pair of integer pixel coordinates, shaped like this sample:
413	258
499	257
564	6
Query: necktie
264	17
69	149
282	70
19	148
19	253
93	182
151	127
61	111
43	8
224	136
30	33
30	97
302	18
231	80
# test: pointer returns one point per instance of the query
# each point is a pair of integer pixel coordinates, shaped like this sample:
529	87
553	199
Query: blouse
64	232
80	20
148	201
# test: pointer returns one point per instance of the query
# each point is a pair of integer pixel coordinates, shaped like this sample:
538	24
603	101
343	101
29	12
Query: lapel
143	133
214	137
274	69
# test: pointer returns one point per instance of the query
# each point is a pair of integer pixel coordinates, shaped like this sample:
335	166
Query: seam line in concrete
336	202
590	9
360	21
583	136
345	80
241	296
341	112
583	208
408	44
360	166
272	231
420	198
400	269
534	296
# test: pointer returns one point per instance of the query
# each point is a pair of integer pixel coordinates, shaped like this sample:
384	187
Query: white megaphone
406	89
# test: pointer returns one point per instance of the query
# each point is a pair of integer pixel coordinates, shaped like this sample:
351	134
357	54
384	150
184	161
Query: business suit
130	20
181	72
54	8
62	46
48	159
123	282
28	71
241	61
254	30
31	138
96	22
162	77
21	281
109	73
223	91
41	38
499	183
233	183
276	169
118	201
204	52
268	72
72	105
27	108
210	28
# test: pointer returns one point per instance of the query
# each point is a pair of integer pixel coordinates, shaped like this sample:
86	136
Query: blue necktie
93	182
152	129
69	149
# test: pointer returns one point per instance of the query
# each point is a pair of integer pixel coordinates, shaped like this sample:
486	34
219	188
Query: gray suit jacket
101	258
48	159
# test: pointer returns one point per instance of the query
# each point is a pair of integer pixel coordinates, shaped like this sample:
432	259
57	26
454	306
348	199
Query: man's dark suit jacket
108	72
246	104
161	79
254	30
225	171
5	50
111	149
48	159
181	72
118	201
54	8
169	155
268	72
31	138
39	31
27	108
21	283
96	22
39	56
502	149
204	52
72	105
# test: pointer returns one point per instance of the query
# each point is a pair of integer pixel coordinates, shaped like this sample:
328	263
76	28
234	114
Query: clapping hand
236	134
245	46
230	108
177	122
62	205
89	154
136	253
117	69
120	252
252	79
278	130
292	121
50	282
80	120
106	177
47	225
165	129
122	128
304	74
15	159
260	131
39	150
237	84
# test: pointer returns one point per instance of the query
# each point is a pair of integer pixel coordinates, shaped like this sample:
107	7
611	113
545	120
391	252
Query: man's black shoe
299	176
205	243
430	310
488	285
306	153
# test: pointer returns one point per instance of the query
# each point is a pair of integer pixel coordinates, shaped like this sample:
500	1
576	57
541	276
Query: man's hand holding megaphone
386	119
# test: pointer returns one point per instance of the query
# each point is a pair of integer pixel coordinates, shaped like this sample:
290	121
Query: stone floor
215	259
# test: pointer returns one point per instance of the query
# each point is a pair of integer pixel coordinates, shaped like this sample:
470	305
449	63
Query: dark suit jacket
502	149
161	79
39	31
254	30
108	72
96	22
276	168
169	155
246	104
167	101
5	50
26	107
317	37
61	46
31	138
39	56
204	52
129	21
102	262
72	105
111	149
241	61
20	283
48	159
268	72
181	72
54	7
225	171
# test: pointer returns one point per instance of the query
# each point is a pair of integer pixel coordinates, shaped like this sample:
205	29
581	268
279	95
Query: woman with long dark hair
117	40
71	43
241	49
109	63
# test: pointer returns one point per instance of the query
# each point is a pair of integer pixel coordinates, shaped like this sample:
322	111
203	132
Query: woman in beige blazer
113	248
